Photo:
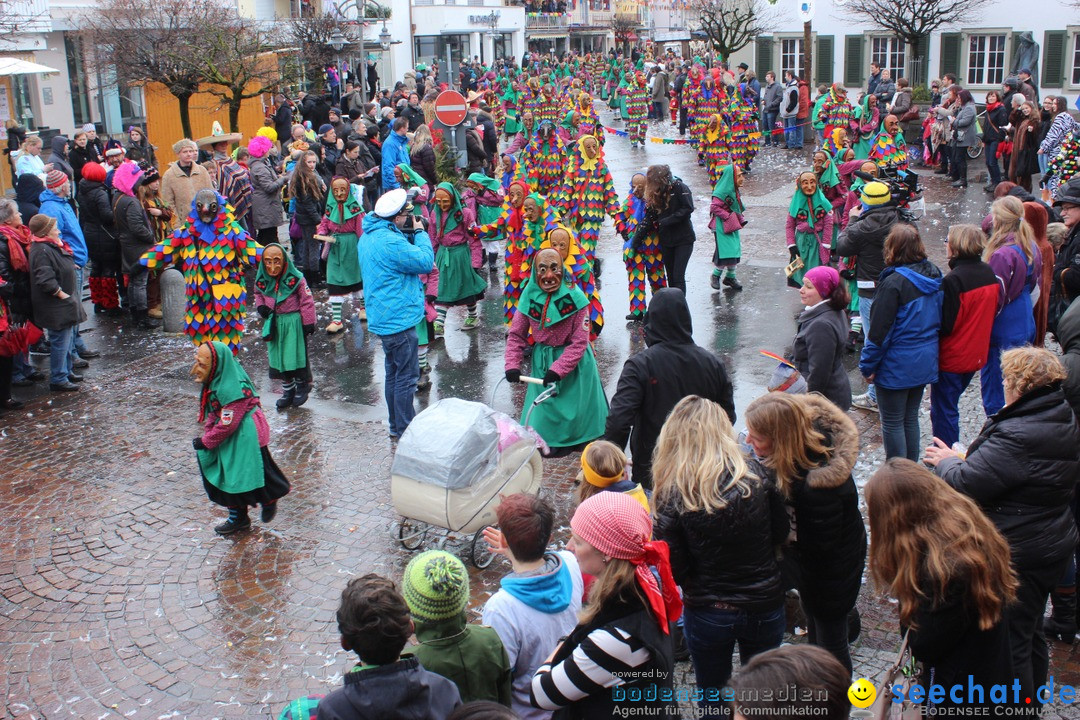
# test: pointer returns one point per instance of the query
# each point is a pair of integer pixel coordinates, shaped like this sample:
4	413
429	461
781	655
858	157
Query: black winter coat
28	189
830	549
1068	334
80	157
132	230
865	237
415	115
478	157
654	380
423	162
52	270
728	555
401	689
96	218
1022	471
309	209
818	353
673	223
17	288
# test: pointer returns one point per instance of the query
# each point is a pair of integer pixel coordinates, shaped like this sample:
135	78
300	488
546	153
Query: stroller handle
532	380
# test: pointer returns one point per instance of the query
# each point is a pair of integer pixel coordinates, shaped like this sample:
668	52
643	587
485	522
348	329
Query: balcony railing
546	22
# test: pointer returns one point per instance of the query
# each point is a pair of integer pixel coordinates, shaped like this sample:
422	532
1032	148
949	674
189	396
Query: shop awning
15	66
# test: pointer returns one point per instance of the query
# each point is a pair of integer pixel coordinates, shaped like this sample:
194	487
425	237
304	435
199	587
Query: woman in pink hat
620	655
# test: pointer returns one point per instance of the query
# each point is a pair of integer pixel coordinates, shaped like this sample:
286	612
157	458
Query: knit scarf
60	244
19	238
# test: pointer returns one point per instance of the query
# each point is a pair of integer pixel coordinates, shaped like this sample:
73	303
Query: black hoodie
656	379
28	189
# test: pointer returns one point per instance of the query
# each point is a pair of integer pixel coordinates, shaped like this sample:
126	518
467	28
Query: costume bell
236	466
556	313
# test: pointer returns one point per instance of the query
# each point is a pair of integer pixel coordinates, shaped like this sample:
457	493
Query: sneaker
439	329
471	323
864	402
714	281
334	328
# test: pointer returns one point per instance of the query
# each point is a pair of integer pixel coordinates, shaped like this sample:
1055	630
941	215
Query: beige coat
178	189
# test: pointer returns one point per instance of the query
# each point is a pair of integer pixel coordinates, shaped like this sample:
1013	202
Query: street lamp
384	37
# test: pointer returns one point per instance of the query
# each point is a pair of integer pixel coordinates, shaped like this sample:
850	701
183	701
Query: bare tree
21	16
312	35
911	20
731	25
159	41
238	64
624	26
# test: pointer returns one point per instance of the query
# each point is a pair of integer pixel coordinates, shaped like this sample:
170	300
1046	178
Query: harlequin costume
644	262
726	220
636	102
586	196
288	311
559	326
581	271
545	160
343	222
458	255
713	147
235	463
836	112
1065	165
589	121
510	224
808	231
703	100
889	150
210	255
486	205
550	107
534	232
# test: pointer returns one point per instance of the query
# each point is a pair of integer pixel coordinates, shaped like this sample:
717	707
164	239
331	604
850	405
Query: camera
410	221
903	184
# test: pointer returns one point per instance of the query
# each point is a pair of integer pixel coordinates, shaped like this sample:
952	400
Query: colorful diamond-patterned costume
745	135
550	106
836	112
589	121
644	262
1066	164
889	150
714	147
580	269
703	100
586	196
545	161
211	258
636	102
510	224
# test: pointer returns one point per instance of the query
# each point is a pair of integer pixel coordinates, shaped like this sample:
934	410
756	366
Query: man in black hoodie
654	380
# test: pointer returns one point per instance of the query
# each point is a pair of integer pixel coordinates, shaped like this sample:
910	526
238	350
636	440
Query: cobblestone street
117	600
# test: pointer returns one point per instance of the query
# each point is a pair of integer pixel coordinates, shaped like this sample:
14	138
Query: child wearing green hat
436	589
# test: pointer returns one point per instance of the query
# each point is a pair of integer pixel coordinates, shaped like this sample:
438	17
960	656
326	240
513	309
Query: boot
596	268
714	281
732	283
492	259
286	398
1062	621
144	321
238	520
302	390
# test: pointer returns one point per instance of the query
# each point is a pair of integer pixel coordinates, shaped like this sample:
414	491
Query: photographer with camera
394	251
868	226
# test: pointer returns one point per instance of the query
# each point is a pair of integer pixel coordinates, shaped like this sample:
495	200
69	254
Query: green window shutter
763	59
950	55
853	60
918	63
1054	42
823	60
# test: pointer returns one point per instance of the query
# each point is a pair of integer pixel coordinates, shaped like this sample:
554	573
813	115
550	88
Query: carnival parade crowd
694	546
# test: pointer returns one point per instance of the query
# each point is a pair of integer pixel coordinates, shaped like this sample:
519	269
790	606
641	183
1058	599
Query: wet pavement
118	601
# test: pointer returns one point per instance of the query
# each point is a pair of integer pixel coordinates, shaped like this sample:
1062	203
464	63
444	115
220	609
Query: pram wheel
411	534
480	553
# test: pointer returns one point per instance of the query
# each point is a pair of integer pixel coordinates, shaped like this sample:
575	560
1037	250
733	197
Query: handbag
902	673
911	115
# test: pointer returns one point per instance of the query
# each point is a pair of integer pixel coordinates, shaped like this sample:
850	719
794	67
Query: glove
198	444
848	274
263	310
551	377
794	252
308	329
513	375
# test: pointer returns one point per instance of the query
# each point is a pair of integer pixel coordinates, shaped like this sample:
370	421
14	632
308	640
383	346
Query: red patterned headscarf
617	525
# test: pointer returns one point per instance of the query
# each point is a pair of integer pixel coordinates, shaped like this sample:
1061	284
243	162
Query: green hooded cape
235	466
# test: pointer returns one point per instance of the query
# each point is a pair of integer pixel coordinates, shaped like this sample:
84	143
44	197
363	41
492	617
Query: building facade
449	31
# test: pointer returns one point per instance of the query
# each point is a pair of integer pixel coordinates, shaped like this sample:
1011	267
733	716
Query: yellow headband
592	477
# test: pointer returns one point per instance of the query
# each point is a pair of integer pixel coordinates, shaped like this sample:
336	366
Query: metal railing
547	22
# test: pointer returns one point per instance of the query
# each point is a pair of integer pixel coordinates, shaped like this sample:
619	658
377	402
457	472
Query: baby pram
452	464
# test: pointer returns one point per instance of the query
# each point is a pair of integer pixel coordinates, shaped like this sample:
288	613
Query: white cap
390	203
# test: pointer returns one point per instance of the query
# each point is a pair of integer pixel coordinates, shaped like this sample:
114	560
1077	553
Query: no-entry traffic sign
450	108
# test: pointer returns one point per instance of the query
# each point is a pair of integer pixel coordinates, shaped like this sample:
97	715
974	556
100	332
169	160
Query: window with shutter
853	60
1054	59
950	54
823	63
763	59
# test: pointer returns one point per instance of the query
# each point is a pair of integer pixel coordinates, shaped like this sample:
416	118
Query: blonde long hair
421	138
1008	214
616	580
784	420
697	448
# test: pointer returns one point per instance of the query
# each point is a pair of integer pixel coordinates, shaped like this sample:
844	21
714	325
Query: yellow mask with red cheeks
807	183
273	261
340	188
443	200
592	147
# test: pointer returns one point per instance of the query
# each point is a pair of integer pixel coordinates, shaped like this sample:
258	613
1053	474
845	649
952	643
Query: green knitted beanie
435	586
